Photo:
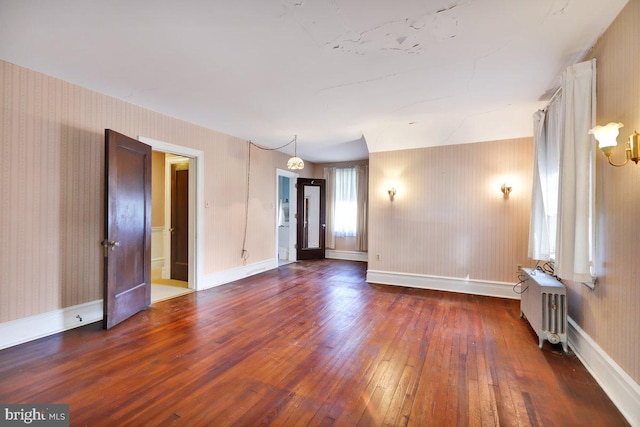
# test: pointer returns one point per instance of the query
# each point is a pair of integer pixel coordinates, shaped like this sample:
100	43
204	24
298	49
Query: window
562	209
346	203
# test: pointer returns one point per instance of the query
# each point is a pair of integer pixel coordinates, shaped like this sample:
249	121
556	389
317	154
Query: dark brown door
311	218
127	244
180	222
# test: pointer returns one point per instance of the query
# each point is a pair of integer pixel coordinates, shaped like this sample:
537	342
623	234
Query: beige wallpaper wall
449	217
52	144
610	313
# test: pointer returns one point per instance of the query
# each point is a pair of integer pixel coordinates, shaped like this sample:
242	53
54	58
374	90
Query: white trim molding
623	391
346	255
157	263
157	248
31	328
222	277
450	284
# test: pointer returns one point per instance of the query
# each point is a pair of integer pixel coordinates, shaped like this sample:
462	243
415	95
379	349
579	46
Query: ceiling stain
446	9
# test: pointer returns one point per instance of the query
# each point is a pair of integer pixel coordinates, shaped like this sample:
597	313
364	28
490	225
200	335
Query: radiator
543	303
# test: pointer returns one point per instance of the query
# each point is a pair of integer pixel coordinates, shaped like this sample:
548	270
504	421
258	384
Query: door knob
110	244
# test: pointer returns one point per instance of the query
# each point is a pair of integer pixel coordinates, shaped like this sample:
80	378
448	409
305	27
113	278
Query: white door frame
196	204
293	209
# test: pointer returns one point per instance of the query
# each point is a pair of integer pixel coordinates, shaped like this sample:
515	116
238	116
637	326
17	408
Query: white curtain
575	204
345	205
330	178
548	132
362	173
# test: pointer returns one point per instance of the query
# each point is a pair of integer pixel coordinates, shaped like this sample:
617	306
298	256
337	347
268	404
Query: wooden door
127	243
311	218
180	222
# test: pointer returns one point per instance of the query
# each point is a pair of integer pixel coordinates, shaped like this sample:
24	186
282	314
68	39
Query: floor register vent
544	304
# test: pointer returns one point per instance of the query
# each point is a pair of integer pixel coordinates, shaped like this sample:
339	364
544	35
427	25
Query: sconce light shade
607	142
607	135
506	189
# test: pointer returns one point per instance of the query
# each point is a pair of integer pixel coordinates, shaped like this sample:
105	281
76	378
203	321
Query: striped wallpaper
52	143
610	314
449	217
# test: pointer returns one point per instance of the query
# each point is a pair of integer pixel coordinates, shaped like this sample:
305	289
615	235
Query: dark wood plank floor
310	344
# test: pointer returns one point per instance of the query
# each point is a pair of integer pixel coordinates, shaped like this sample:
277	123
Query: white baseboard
346	255
31	328
451	284
623	391
157	263
226	276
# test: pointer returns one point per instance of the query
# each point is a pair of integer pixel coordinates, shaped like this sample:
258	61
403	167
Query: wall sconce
506	189
392	193
607	141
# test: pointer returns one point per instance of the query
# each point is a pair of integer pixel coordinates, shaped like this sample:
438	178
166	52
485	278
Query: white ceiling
347	76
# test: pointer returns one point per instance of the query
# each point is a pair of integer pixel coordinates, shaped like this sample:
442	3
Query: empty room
298	213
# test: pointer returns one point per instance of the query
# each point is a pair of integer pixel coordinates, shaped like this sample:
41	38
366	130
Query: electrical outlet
377	257
519	268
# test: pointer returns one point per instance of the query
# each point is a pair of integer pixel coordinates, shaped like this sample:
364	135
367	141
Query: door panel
311	218
179	222
127	244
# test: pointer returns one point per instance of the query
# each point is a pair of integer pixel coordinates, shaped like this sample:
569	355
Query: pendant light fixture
295	163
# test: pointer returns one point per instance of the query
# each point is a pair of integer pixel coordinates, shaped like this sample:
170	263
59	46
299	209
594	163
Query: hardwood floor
310	343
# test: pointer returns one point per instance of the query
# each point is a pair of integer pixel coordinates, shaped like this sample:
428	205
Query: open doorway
286	216
170	226
161	251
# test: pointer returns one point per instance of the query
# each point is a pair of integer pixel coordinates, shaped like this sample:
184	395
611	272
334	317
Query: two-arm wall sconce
607	142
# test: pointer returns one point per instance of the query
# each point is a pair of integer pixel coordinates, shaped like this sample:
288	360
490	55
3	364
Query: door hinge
295	245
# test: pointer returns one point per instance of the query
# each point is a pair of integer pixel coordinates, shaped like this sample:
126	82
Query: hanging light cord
245	253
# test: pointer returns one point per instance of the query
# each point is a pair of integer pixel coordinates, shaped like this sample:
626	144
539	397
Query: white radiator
544	303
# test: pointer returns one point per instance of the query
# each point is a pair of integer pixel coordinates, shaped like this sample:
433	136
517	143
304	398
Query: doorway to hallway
286	210
161	222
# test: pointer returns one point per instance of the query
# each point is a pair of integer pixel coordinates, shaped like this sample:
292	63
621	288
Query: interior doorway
167	160
170	231
286	210
312	226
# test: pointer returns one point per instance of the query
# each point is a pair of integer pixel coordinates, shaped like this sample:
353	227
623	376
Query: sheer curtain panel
345	206
362	173
330	185
548	132
577	156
